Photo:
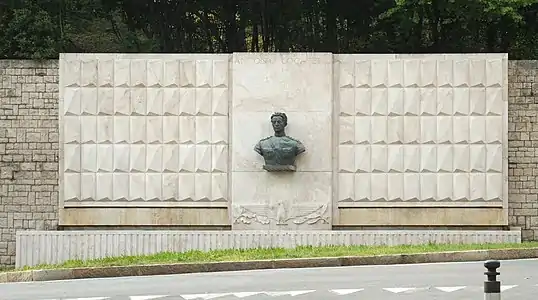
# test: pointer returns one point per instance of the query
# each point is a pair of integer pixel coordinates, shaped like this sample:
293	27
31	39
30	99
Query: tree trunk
255	47
331	38
230	12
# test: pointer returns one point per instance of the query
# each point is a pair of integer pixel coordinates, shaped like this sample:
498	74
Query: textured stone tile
405	123
130	121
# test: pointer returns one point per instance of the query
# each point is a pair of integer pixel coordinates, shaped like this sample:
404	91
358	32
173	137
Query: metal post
492	287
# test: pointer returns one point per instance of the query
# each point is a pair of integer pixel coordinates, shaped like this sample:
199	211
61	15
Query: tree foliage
44	28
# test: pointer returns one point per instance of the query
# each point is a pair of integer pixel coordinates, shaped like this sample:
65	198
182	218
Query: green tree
28	32
44	28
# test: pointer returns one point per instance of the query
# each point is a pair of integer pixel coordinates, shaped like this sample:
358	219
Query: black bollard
492	287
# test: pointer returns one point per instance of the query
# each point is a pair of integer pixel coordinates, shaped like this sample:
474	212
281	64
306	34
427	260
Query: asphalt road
418	282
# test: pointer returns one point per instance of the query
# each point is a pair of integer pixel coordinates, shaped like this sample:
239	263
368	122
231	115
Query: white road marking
204	296
288	293
92	298
450	289
147	297
339	292
507	287
246	294
399	290
346	291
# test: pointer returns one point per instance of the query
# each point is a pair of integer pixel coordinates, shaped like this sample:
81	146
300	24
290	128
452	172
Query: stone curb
183	268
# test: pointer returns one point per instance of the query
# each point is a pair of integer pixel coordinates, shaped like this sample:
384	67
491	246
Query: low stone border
183	268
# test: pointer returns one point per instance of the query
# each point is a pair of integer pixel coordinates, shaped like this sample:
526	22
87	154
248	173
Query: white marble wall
301	86
144	130
428	129
383	132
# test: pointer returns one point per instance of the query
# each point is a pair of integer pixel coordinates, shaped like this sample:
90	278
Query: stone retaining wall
28	150
523	147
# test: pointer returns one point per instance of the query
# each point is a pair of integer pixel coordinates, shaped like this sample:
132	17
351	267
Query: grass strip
275	253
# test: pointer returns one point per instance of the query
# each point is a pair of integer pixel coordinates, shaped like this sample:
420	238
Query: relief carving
282	215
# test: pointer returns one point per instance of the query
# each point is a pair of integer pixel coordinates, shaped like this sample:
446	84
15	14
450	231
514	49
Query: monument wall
29	158
403	140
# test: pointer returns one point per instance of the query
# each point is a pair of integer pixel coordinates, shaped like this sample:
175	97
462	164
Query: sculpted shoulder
258	146
280	138
293	139
266	138
300	147
263	141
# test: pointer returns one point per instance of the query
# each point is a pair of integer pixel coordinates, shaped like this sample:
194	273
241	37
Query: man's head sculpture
279	150
279	122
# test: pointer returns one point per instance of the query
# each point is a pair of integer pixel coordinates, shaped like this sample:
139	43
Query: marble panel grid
144	130
422	130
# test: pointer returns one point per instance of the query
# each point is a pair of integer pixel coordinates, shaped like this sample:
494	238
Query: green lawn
276	253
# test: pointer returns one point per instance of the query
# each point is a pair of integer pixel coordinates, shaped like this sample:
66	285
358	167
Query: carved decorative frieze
281	214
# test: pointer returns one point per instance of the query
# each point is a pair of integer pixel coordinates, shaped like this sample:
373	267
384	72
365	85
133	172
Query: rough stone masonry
523	147
29	149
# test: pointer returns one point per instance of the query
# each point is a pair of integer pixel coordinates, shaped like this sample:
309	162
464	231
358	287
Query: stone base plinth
53	247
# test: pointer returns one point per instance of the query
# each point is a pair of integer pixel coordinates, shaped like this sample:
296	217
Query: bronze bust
279	151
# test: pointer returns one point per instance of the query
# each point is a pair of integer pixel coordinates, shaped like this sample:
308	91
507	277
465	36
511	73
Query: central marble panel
299	85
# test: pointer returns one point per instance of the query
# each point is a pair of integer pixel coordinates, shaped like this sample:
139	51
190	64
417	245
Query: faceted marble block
421	128
144	127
